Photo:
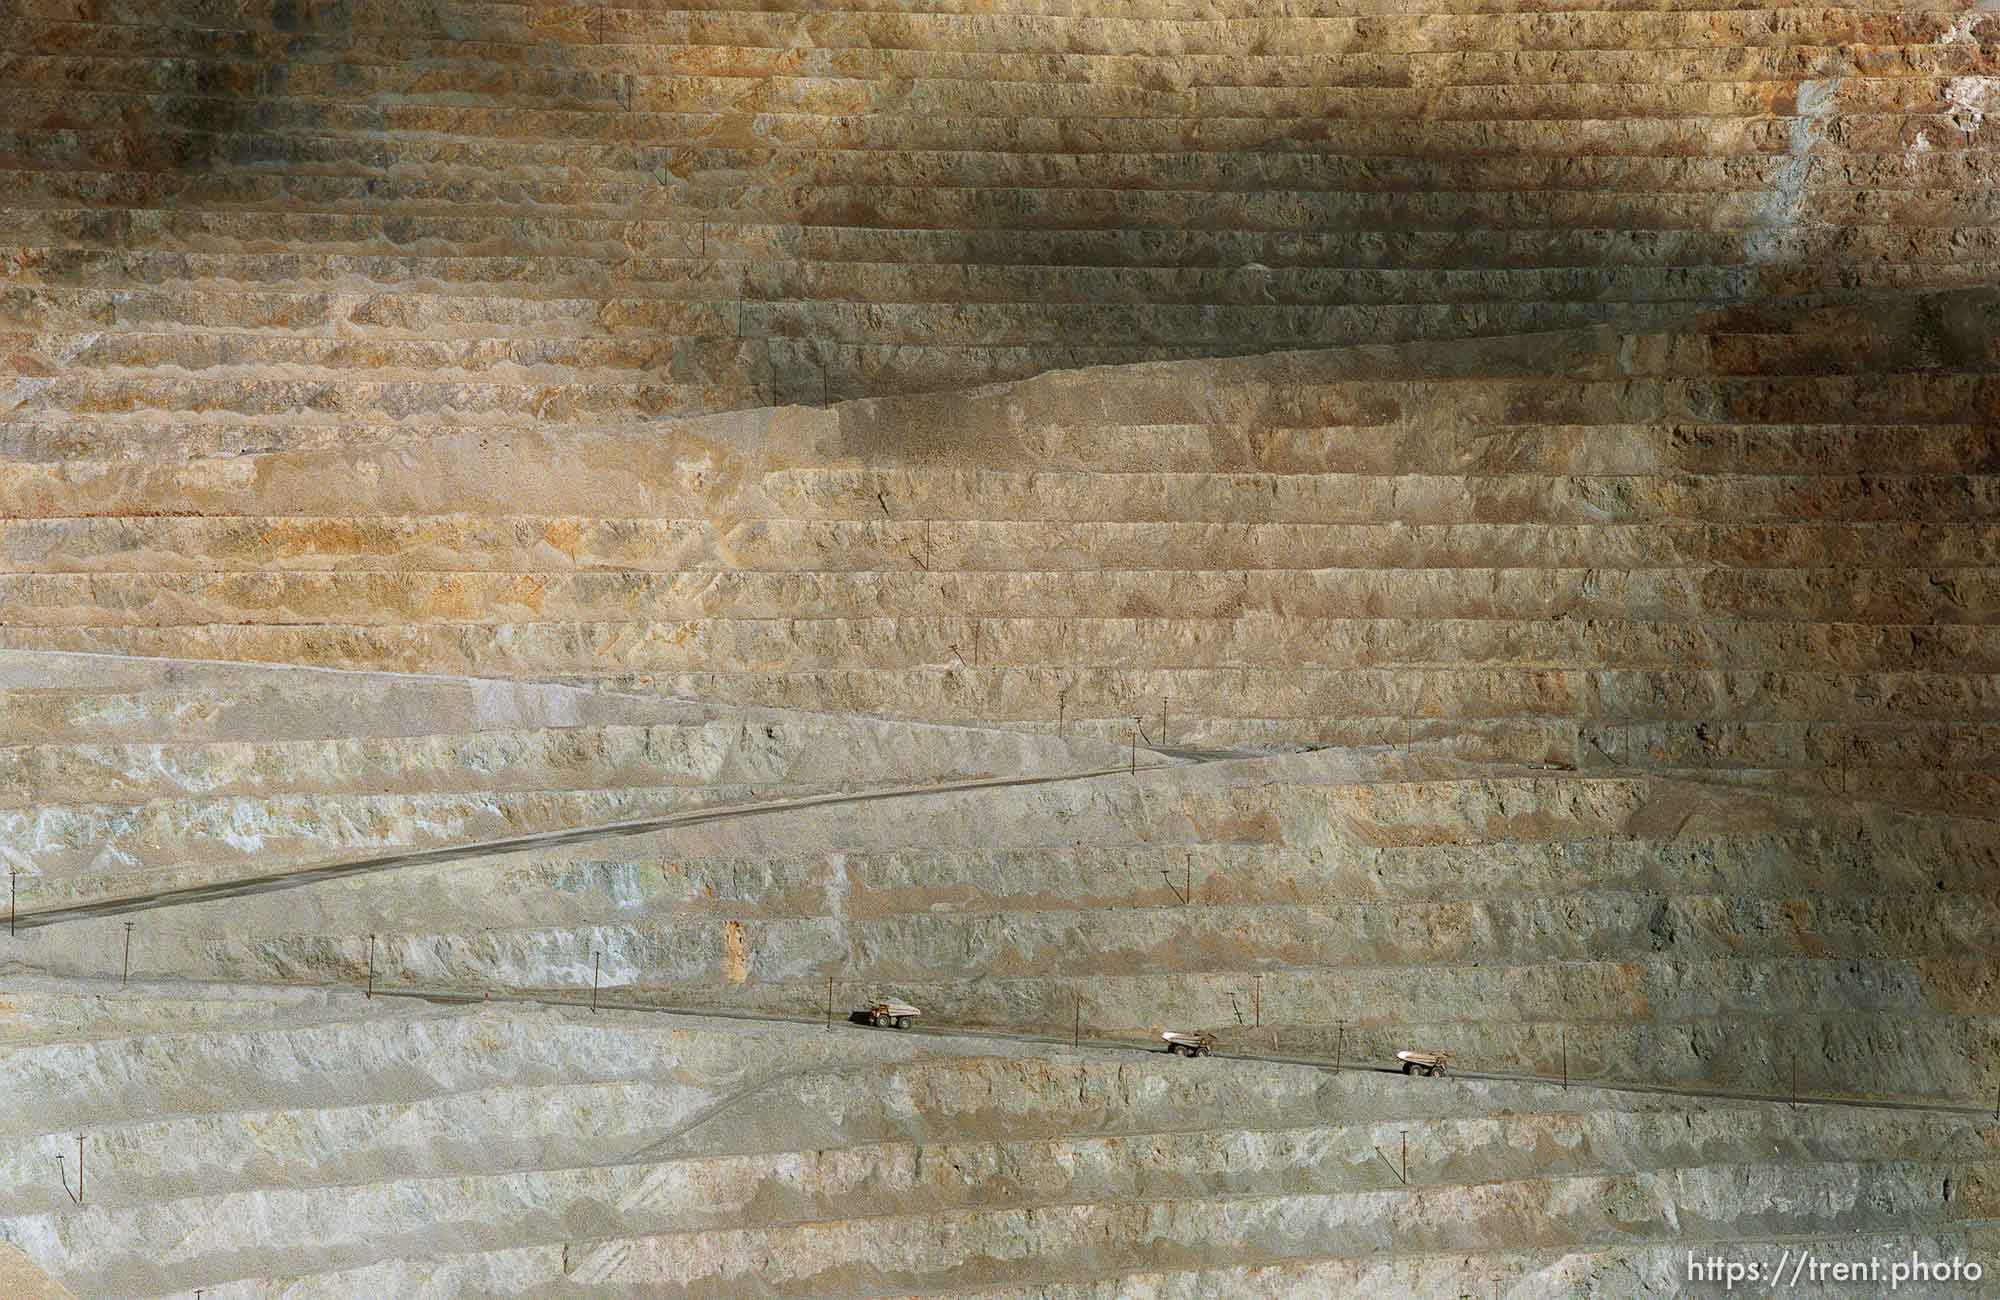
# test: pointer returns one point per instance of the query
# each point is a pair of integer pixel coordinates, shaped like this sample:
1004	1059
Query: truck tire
902	1022
1409	1067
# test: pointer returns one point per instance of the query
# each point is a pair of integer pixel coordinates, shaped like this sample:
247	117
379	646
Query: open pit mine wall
663	1157
216	209
1561	444
1759	544
1339	903
381	335
253	1136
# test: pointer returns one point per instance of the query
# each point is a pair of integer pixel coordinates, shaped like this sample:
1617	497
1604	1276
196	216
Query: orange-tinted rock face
1473	530
812	205
1761	541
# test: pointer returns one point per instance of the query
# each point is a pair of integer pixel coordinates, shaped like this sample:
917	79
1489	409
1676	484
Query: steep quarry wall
355	210
130	776
1762	541
1643	927
550	552
246	1100
665	1157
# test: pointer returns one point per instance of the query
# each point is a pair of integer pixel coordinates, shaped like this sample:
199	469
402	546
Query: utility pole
371	966
1163	720
1062	711
1402	1174
1076	1028
829	1002
593	983
1257	1003
1565	1046
12	875
79	1169
1339	1041
1135	747
1189	896
125	976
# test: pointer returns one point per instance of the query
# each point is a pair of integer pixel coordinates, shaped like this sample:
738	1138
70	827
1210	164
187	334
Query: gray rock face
1621	928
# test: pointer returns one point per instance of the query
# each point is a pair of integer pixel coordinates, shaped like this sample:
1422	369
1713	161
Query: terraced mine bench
424	426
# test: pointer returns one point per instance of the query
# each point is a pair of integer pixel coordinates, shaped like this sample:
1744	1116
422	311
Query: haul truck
892	1015
1425	1063
1196	1044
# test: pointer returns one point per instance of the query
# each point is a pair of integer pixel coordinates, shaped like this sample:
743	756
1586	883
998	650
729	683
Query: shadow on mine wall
981	257
1291	246
216	102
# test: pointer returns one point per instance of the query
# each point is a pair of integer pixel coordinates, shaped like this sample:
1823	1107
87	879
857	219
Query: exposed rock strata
1520	493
